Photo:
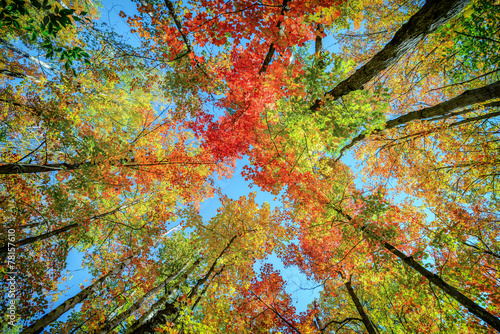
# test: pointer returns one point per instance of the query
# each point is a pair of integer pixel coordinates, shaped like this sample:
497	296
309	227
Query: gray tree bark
117	320
364	317
162	308
168	310
451	291
53	315
431	16
30	240
9	169
443	110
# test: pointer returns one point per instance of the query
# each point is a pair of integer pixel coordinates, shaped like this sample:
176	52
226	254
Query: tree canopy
373	123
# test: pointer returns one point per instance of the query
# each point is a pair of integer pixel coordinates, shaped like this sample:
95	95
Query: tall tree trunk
364	317
24	54
162	307
431	16
53	315
272	49
115	321
9	169
30	240
169	310
466	302
442	110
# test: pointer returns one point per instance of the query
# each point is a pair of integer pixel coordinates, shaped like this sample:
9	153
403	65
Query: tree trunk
168	310
364	317
466	302
26	55
467	98
442	110
113	323
162	308
30	240
272	49
431	16
53	315
47	235
9	169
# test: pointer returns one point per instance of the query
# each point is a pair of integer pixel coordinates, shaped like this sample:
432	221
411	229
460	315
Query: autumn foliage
372	123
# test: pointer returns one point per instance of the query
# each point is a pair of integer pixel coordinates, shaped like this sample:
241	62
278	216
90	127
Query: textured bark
466	302
168	310
160	318
205	289
467	98
52	316
143	323
431	16
40	237
272	49
442	110
359	307
117	320
318	45
63	229
12	74
19	168
9	169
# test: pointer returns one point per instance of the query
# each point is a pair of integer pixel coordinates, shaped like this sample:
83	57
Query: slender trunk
194	291
27	225
272	49
431	16
178	24
466	302
26	55
162	308
58	231
9	169
485	251
160	318
53	315
30	240
318	46
364	317
12	74
18	168
168	310
467	98
442	110
115	321
205	290
18	75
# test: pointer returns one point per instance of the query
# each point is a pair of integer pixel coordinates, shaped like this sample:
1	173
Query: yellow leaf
468	13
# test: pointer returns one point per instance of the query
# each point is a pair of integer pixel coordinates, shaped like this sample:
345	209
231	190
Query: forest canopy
374	124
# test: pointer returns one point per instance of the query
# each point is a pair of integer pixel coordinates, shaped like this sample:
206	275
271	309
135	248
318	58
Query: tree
107	157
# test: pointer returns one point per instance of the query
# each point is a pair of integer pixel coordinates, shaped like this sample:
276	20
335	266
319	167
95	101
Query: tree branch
443	110
431	16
